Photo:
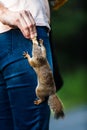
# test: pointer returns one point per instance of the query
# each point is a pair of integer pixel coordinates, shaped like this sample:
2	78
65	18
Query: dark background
69	36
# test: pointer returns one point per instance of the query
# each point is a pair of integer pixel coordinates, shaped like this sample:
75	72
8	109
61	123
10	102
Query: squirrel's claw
25	54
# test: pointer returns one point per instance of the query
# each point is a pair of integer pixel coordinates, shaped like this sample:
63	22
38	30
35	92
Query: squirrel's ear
56	4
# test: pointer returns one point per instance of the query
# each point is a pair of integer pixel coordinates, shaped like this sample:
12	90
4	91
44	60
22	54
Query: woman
20	21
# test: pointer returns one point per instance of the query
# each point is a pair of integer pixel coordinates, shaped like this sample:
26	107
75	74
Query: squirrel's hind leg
38	101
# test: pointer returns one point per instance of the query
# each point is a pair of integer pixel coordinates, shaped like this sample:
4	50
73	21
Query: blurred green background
68	34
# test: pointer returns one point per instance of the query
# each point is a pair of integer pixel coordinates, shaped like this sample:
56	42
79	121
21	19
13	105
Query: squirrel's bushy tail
56	105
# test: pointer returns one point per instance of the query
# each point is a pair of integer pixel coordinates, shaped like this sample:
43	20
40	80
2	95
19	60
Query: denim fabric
18	82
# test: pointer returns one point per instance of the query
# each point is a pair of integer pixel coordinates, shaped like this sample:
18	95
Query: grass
74	92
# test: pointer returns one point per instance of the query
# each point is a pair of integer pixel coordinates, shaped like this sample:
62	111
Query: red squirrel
46	84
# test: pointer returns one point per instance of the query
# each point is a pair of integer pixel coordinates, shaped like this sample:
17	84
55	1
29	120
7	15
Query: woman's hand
22	19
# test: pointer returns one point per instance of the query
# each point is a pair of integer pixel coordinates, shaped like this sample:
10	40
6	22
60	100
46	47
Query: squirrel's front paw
25	54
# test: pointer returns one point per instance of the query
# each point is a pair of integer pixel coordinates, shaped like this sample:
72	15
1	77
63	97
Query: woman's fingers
32	27
23	25
27	25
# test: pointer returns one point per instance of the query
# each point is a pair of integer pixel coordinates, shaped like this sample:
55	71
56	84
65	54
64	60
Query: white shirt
38	8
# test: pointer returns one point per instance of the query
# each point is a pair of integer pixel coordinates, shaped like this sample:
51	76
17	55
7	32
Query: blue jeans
18	82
